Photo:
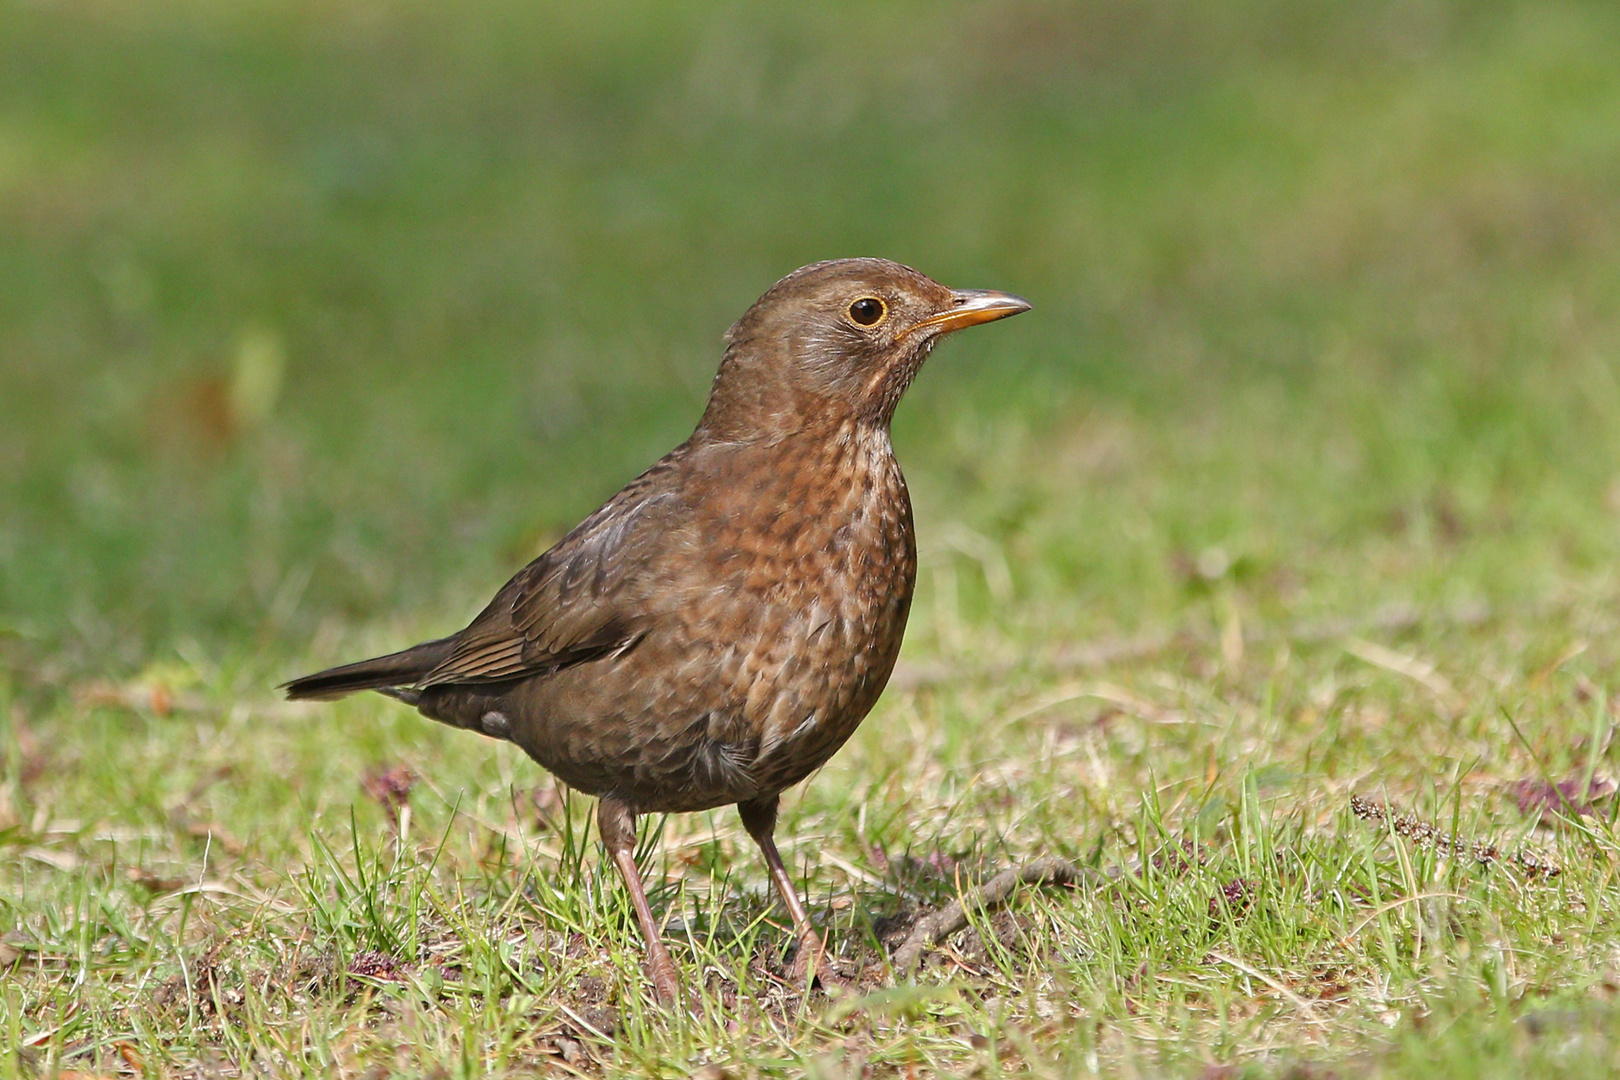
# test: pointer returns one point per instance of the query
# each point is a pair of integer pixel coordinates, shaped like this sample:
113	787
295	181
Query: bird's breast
821	561
822	536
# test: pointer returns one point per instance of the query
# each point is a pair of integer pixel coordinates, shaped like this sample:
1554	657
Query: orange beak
972	307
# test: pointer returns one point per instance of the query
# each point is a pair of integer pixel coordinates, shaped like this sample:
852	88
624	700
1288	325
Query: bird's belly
689	720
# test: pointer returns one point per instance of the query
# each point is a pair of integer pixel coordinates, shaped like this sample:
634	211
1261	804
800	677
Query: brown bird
715	632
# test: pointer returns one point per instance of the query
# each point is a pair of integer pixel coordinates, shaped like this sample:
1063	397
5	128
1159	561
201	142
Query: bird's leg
617	824
759	818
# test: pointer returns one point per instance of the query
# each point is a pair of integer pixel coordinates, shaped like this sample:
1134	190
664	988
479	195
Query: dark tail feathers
391	674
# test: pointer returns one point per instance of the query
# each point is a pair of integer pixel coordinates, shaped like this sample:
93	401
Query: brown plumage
719	628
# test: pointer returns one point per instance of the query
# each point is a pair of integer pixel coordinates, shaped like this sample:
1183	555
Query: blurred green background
321	316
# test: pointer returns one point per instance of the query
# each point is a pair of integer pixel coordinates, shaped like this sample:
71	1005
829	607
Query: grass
1301	483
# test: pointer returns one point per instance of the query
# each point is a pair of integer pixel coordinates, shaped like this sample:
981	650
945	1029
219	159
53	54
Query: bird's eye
867	311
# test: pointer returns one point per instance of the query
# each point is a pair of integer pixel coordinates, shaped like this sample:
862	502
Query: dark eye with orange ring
867	311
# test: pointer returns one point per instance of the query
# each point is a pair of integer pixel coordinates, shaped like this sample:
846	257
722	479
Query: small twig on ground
953	916
1528	861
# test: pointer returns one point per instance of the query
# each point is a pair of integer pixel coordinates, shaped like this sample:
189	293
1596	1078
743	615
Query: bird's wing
583	599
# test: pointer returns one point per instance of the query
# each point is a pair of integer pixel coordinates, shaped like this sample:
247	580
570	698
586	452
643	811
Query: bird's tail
392	674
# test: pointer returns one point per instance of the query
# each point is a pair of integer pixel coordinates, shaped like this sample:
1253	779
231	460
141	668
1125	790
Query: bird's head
836	341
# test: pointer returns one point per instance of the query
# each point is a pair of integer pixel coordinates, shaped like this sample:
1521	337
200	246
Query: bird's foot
811	967
666	982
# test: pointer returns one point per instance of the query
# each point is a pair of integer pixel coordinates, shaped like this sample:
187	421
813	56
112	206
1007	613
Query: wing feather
584	598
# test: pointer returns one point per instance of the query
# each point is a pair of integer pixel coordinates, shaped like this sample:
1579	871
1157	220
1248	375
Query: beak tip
975	306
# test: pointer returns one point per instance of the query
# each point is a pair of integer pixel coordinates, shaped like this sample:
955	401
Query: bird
715	631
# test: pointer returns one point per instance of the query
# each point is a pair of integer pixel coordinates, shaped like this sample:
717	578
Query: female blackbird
718	629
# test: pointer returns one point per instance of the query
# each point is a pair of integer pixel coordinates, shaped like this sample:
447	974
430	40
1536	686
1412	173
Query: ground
1269	566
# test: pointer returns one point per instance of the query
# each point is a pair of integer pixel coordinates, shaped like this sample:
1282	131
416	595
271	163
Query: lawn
1270	567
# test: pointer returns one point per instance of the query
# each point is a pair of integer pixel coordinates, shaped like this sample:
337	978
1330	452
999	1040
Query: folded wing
581	600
